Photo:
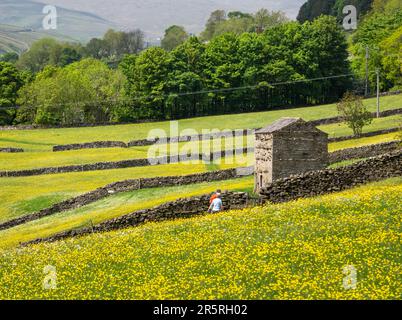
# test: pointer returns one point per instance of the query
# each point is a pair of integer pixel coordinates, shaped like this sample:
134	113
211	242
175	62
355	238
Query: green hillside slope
17	39
21	24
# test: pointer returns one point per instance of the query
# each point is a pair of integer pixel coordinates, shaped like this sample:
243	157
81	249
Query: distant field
115	206
15	39
38	159
355	143
296	250
45	139
21	25
23	195
340	129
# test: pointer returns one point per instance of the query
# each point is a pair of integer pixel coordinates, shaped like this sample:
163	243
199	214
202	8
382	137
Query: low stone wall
364	152
121	164
181	208
76	125
90	145
237	133
346	154
123	186
364	135
11	150
332	180
338	119
232	133
301	186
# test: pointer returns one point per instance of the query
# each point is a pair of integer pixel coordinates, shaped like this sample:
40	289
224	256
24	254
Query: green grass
23	195
296	250
115	206
355	143
341	129
108	208
31	160
345	163
44	139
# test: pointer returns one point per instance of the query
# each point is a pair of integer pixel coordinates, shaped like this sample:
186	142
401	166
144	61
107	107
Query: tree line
312	9
227	69
159	82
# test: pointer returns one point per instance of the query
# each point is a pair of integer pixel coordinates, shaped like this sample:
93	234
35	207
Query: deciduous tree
10	82
174	36
354	113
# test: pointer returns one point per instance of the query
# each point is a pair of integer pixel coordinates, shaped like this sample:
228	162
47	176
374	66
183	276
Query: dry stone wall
364	152
332	180
122	164
90	145
122	186
181	208
301	186
11	150
364	135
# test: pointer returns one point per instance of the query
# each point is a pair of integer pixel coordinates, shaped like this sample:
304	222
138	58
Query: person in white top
216	205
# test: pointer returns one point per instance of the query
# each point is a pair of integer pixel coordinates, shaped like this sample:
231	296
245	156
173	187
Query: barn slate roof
284	123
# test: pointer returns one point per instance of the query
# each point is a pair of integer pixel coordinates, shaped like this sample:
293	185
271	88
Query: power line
178	94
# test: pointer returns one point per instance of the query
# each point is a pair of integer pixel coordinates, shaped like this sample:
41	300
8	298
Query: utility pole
378	92
367	71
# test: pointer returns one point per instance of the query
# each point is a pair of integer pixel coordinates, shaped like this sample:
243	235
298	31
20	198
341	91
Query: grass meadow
45	139
296	250
39	159
23	195
112	207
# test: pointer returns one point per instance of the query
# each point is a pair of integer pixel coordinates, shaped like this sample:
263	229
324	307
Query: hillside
17	39
21	24
45	190
296	250
190	14
314	8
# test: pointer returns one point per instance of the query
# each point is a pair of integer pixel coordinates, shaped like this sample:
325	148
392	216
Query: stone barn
288	146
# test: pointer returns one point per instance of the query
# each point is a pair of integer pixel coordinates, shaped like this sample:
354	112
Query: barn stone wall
293	150
263	160
298	153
